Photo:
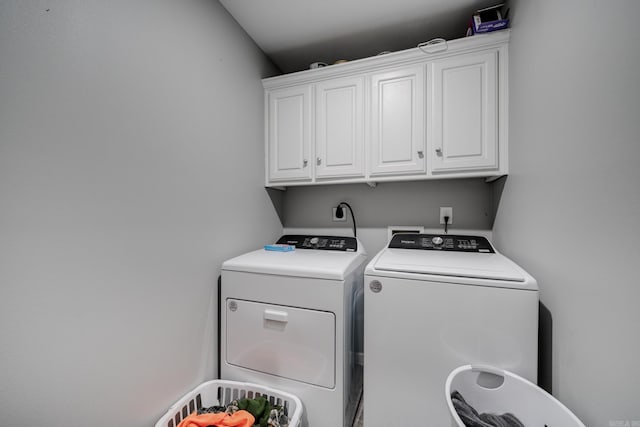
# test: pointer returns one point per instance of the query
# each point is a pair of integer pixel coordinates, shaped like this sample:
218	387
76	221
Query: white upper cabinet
397	121
340	128
289	134
464	113
441	112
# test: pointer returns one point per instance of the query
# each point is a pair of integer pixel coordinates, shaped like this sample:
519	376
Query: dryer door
288	342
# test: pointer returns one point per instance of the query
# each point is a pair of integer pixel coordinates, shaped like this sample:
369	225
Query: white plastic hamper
493	390
222	392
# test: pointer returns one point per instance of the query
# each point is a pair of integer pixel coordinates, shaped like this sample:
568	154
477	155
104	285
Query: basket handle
487	368
489	377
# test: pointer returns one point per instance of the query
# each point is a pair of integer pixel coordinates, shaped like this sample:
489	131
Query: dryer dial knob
437	240
314	240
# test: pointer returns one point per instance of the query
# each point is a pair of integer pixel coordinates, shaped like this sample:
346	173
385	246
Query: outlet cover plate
446	211
334	218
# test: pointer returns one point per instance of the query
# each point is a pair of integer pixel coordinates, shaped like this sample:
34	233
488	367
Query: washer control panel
445	242
325	243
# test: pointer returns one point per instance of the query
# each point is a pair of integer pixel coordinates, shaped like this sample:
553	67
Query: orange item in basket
239	418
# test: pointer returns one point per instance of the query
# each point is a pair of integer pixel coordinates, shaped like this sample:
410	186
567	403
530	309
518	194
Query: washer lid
492	266
311	263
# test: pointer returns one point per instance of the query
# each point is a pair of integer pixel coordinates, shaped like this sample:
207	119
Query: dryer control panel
325	243
444	242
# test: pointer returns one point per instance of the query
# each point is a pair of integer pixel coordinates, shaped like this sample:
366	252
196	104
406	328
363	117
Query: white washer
287	322
433	303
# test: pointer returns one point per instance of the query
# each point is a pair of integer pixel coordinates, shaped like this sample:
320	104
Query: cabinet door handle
318	161
421	154
439	151
305	162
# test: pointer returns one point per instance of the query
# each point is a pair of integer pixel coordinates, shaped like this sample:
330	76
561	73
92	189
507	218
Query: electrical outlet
446	212
344	215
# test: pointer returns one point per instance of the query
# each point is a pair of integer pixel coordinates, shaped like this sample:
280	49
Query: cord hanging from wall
340	213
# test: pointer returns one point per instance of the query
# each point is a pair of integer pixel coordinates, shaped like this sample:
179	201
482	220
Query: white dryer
433	303
287	321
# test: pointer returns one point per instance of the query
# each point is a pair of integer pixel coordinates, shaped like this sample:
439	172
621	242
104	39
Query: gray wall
131	166
394	203
570	209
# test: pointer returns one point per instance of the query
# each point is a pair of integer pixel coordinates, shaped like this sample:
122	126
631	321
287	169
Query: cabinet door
464	114
397	121
289	133
340	127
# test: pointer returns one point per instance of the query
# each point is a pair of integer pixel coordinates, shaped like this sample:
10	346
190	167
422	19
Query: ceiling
295	33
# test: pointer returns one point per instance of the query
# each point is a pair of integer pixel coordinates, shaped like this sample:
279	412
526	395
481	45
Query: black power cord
339	214
446	224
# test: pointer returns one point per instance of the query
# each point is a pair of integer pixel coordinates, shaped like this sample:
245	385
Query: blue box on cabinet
489	19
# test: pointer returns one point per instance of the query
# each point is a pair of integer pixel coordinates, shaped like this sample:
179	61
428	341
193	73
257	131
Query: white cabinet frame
407	115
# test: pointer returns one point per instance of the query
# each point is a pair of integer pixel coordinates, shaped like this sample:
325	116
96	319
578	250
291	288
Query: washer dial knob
437	240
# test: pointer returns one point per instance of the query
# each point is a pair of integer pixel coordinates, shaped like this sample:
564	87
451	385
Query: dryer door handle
276	316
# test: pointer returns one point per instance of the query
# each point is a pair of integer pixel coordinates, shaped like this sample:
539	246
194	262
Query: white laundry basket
221	393
496	391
